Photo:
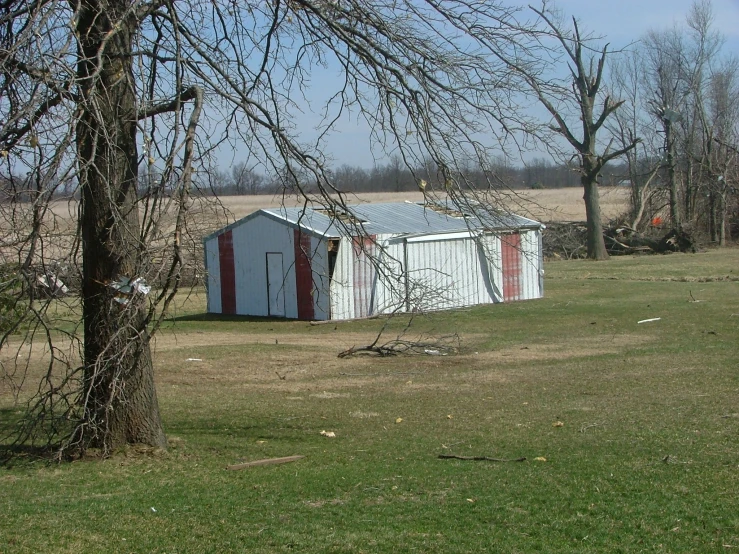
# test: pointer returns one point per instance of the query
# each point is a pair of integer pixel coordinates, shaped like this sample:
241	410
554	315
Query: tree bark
675	213
119	400
596	246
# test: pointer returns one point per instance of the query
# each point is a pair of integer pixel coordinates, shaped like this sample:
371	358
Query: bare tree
679	66
644	163
93	90
245	179
584	91
721	152
667	65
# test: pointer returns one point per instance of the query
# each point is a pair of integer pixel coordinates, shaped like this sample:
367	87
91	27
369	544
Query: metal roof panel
398	218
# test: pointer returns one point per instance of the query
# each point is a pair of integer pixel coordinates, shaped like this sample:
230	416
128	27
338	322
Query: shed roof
398	218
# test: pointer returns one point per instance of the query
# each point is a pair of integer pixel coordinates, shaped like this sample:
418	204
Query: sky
622	21
619	22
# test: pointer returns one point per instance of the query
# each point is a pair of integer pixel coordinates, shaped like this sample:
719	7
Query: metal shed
373	258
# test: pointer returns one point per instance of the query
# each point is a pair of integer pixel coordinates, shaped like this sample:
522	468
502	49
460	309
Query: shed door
511	258
275	285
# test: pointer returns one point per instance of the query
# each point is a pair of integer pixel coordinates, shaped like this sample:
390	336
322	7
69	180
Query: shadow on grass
206	317
19	454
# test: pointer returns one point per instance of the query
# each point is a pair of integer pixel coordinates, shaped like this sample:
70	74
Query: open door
275	285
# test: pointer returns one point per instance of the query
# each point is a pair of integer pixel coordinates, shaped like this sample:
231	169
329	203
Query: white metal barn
308	264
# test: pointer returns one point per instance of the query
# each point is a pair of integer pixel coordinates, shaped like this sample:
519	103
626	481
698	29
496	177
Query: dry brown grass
564	204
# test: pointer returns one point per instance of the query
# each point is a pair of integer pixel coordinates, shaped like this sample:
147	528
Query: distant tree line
395	176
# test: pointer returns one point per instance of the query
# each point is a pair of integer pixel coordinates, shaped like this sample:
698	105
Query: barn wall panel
252	241
531	265
303	274
228	277
511	262
389	279
462	271
445	274
364	277
321	283
341	287
213	275
491	267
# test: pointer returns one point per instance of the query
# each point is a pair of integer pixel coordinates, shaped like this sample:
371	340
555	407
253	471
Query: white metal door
275	284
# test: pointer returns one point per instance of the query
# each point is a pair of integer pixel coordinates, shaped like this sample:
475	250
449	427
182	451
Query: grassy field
630	431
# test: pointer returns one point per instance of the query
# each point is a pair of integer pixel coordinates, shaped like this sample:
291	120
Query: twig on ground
479	458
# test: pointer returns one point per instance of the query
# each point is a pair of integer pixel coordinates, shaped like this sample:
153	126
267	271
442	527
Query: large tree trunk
119	399
722	219
675	212
596	246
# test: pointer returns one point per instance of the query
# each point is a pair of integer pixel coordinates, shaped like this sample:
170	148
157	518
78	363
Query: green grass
647	459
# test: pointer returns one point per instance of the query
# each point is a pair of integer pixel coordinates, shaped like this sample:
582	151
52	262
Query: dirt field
210	214
545	205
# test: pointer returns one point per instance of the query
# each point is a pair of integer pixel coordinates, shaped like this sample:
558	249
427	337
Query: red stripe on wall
303	276
228	273
511	254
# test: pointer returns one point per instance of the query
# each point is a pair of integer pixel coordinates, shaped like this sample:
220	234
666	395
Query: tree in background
681	92
581	95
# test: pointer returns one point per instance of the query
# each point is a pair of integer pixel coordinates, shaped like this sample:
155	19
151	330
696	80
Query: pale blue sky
619	22
622	21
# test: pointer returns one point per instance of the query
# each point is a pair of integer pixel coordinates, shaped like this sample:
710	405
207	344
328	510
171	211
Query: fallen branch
266	462
431	346
479	458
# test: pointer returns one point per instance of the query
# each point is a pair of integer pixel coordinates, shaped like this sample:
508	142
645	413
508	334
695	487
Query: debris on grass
399	420
329	434
588	426
479	458
558	424
649	320
126	288
540	459
265	462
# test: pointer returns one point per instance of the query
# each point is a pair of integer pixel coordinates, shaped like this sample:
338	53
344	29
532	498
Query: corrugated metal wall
443	271
342	283
319	261
532	265
445	274
353	285
253	242
459	271
213	275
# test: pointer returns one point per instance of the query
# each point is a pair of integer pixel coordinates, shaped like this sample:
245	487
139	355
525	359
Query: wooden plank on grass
266	462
